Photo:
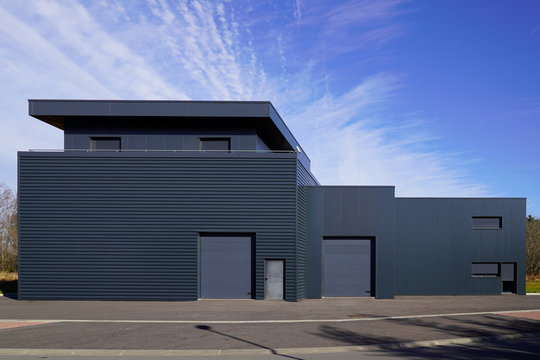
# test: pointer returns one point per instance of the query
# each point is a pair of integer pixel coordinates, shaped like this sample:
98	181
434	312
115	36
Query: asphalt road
264	325
103	335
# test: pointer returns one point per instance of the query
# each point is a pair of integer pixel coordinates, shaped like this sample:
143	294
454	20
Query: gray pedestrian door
347	267
225	267
273	279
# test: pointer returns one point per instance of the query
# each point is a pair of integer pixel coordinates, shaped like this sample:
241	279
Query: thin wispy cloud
372	151
25	43
80	35
360	13
298	10
357	24
217	50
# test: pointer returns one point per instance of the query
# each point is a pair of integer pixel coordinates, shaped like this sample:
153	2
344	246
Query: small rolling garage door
347	267
225	267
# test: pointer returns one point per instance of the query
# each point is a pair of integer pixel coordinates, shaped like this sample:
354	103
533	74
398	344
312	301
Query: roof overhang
55	112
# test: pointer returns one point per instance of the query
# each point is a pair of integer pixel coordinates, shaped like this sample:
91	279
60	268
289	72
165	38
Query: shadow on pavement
274	352
350	337
486	326
508	349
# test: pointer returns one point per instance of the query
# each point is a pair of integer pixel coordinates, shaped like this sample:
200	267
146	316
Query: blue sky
440	98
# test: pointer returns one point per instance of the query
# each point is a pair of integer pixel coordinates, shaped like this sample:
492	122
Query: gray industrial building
183	200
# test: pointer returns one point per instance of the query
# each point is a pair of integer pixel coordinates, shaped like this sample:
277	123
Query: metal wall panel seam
53	221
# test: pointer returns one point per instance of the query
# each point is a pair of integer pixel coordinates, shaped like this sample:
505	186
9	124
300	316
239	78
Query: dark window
105	143
487	222
485	269
216	144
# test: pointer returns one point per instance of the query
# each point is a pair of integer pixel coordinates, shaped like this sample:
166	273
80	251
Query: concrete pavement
229	310
524	348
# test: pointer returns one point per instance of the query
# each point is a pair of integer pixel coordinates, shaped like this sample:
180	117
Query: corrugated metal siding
352	212
304	178
126	227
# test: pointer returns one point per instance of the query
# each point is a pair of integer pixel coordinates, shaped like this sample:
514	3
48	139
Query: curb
265	351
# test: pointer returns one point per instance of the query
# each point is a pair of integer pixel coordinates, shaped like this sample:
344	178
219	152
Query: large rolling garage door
347	267
225	267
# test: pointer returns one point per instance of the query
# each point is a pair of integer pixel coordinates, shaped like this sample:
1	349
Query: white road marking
285	321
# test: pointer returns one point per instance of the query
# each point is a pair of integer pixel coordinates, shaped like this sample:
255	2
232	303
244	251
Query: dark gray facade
436	245
181	200
163	135
170	121
304	180
352	212
117	226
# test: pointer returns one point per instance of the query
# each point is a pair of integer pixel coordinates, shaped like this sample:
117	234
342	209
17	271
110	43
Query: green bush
533	246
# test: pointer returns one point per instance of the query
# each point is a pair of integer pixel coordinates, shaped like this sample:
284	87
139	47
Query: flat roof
56	111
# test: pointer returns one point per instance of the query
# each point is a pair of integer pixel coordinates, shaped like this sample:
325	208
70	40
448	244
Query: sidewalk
230	310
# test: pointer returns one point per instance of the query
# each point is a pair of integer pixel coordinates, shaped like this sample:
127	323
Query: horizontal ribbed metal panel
304	178
127	227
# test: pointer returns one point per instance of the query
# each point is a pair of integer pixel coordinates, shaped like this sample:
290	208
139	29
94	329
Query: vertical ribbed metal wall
436	244
351	212
304	178
124	226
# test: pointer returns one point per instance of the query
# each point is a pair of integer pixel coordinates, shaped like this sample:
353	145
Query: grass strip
532	286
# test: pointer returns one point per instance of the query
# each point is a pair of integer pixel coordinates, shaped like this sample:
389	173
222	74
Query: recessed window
485	269
105	143
216	144
487	222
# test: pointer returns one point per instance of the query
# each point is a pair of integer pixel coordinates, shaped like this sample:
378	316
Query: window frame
216	139
476	227
485	274
93	140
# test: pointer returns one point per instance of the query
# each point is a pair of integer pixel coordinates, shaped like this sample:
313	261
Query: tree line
9	237
533	246
8	229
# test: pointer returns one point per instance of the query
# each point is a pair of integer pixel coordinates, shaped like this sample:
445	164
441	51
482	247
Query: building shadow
350	337
273	351
485	329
